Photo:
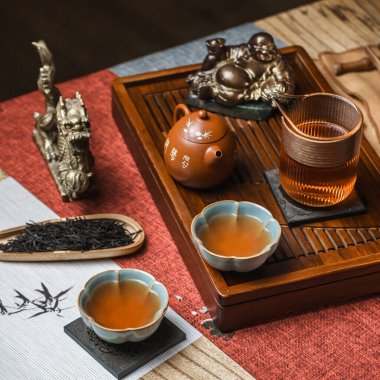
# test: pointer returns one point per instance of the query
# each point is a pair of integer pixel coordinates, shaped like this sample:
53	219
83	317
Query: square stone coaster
122	359
296	214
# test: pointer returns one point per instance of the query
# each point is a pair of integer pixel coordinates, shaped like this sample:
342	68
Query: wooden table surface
330	25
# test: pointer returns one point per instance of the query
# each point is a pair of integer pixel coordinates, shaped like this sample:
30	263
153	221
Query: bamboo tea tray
128	222
315	264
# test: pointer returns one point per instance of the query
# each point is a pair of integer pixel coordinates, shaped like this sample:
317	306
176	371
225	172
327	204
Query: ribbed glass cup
321	136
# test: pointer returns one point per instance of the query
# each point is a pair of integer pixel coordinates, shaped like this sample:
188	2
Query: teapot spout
213	155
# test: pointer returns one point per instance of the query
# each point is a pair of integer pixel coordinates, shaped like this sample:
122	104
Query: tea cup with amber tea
235	236
125	305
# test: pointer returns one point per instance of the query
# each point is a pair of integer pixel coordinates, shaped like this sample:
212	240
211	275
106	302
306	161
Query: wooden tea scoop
362	64
129	223
369	63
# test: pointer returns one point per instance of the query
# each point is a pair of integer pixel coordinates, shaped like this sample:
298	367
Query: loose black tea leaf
73	234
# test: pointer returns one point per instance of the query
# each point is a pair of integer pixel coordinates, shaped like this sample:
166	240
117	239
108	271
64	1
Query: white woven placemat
33	344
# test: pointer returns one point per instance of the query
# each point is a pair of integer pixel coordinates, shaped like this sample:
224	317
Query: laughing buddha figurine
250	72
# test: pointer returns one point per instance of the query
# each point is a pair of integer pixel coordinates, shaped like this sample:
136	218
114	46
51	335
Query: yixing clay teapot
200	151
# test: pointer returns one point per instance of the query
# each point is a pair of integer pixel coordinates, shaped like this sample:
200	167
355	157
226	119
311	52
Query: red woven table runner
335	342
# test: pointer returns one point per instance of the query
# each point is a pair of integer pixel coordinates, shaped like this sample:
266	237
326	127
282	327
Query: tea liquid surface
119	305
230	235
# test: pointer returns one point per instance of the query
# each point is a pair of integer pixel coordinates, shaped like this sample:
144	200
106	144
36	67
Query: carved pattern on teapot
173	154
185	161
166	144
205	135
199	135
188	125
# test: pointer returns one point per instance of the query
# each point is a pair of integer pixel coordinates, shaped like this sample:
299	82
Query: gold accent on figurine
63	133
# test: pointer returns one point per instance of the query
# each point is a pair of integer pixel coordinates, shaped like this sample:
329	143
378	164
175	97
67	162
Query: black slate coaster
122	359
296	214
248	111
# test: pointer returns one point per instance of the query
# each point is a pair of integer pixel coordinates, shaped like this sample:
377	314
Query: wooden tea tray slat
315	264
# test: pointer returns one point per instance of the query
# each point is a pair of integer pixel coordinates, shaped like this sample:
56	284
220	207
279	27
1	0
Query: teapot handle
180	108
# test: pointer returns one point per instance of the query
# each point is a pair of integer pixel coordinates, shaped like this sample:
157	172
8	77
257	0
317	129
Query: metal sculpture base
53	168
247	111
297	214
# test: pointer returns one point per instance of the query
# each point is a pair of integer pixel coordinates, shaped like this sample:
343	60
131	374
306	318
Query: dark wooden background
86	36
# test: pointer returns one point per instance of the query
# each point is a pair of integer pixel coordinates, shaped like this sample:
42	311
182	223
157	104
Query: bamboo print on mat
44	303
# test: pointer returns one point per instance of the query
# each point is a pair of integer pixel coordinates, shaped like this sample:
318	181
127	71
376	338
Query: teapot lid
202	127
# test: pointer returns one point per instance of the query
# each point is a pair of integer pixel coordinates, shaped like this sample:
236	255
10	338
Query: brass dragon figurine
62	134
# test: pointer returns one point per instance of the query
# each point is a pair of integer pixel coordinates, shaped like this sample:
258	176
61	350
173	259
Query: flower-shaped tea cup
230	207
134	334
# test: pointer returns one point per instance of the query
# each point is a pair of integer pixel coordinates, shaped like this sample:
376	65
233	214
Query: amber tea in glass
321	135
